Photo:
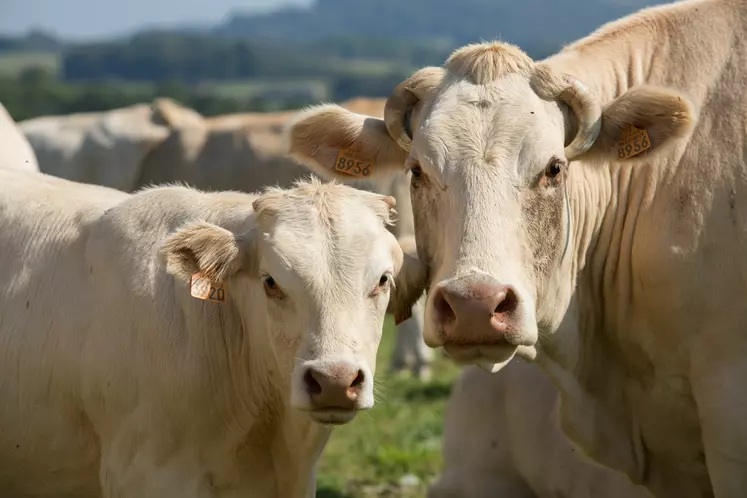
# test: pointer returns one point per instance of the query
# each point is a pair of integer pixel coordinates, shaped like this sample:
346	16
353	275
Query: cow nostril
312	385
358	379
508	304
444	311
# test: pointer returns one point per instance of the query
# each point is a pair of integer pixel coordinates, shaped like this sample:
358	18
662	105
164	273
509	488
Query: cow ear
643	122
166	112
409	283
336	143
214	252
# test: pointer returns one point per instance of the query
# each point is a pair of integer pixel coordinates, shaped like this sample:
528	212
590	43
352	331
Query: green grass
400	436
12	63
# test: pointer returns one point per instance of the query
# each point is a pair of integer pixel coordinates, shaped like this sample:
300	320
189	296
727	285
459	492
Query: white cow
15	150
105	148
175	343
588	211
501	439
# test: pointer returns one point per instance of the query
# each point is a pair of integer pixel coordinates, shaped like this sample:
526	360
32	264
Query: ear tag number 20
202	288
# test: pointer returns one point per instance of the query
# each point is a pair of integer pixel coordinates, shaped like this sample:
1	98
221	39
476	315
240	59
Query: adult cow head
313	275
489	139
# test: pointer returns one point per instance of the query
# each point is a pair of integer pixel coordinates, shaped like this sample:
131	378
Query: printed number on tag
348	164
632	142
202	288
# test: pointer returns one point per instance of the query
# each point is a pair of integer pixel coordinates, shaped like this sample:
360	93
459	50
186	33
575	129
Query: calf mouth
332	416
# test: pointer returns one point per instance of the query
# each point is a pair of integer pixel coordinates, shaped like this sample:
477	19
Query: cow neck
583	357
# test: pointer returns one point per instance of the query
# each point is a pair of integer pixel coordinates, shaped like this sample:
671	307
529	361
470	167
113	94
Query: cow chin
332	416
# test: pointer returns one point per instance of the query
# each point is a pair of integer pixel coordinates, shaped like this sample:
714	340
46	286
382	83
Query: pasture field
394	449
13	63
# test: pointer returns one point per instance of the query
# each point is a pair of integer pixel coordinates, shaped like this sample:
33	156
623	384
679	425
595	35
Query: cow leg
422	354
720	390
410	349
399	359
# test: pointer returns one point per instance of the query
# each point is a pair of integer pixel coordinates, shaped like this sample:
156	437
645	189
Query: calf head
321	264
488	140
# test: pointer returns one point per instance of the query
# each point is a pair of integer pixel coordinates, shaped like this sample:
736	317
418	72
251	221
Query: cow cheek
426	217
543	222
285	324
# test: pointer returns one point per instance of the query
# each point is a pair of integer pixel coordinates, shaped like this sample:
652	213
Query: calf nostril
312	385
444	311
508	302
358	379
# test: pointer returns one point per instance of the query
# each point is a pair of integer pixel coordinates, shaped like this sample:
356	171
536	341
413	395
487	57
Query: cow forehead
503	124
313	245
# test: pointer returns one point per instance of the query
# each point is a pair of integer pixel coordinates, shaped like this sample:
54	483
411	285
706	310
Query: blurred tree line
36	92
191	68
361	48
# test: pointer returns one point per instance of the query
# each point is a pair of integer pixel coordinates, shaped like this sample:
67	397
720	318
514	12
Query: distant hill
539	26
34	41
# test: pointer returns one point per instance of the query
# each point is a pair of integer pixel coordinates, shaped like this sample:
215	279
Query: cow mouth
490	358
332	416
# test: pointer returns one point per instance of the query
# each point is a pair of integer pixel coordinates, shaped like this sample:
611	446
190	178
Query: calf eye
272	289
384	281
417	172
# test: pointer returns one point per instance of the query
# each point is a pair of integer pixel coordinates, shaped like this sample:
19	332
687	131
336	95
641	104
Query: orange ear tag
202	288
633	141
349	164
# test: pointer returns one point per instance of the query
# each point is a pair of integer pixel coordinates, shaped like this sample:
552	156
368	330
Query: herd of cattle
183	314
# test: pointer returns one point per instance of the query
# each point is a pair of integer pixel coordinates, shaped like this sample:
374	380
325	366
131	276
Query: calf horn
400	104
582	102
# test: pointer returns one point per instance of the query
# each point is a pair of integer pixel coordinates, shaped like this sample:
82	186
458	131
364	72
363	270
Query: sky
92	19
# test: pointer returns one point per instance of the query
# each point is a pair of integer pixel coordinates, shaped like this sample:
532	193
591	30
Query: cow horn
588	116
581	101
400	104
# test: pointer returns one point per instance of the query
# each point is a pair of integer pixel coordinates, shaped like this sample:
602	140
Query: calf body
117	382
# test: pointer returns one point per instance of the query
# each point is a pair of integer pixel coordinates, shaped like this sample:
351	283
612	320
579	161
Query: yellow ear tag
633	141
202	288
349	164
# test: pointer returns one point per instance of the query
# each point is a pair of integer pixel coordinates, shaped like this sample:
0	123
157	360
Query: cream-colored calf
175	343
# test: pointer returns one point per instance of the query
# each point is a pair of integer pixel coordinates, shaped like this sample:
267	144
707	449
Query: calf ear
642	122
409	283
213	251
336	143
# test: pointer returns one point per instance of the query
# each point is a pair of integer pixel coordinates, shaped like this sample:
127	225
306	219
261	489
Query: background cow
502	439
122	375
587	211
15	151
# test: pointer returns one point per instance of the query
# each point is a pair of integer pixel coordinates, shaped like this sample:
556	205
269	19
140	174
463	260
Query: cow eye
272	289
414	166
554	168
383	280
